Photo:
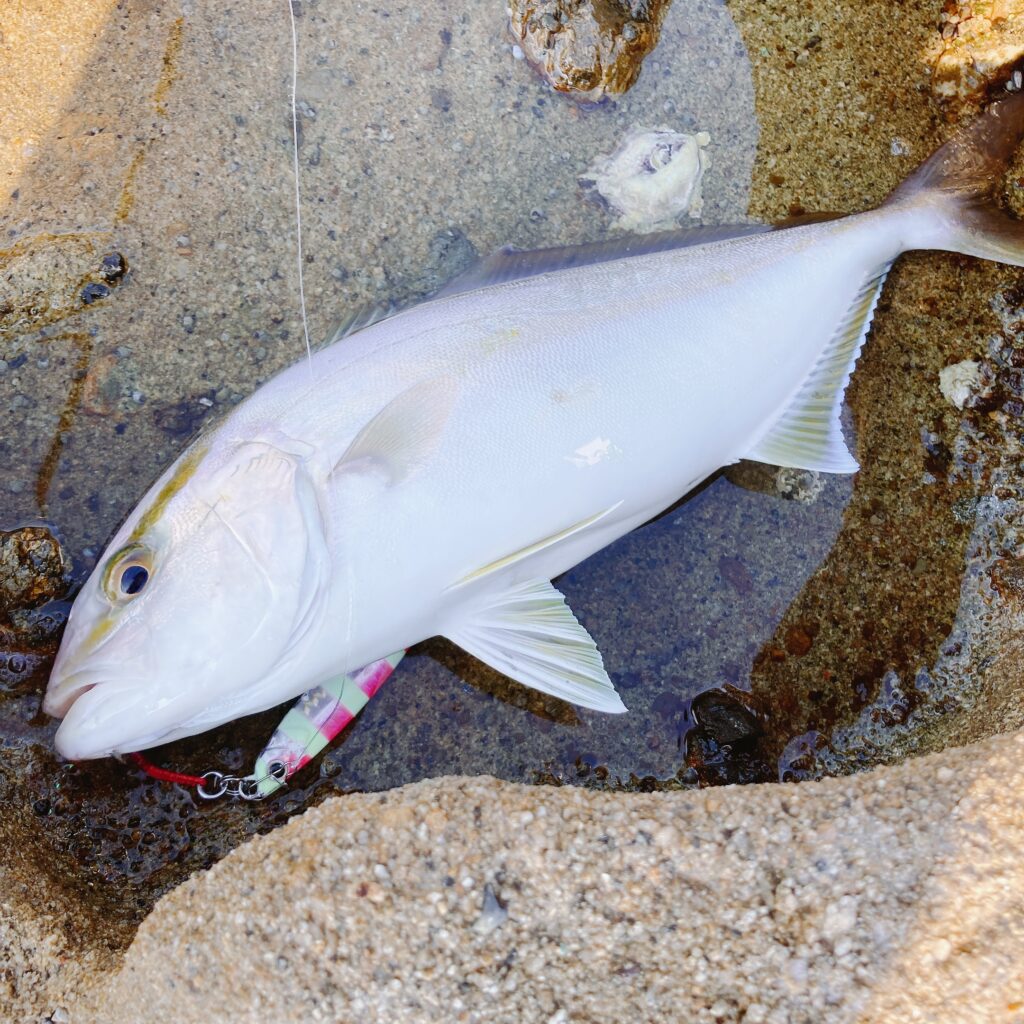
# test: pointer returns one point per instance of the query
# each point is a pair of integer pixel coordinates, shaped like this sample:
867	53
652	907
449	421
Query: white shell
653	178
958	380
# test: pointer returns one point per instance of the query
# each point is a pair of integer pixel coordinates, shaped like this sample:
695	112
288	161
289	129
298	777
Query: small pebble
93	292
113	267
492	914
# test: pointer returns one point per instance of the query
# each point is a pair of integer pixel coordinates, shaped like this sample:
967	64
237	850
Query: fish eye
128	572
133	579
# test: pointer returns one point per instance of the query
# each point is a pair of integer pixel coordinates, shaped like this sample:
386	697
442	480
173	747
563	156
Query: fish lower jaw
77	747
59	699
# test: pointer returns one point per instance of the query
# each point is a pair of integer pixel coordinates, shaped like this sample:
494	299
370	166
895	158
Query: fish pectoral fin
405	433
529	634
808	434
532	549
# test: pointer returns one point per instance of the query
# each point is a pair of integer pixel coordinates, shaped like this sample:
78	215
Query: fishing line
212	784
295	173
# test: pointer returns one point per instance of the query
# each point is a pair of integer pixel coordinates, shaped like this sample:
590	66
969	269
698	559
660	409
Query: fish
430	471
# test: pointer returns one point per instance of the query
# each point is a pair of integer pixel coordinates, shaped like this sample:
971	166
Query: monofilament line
295	168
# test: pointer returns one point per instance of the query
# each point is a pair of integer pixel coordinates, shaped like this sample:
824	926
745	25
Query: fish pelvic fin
529	634
954	193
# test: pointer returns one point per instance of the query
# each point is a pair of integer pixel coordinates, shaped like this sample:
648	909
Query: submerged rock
802	485
588	48
33	569
721	749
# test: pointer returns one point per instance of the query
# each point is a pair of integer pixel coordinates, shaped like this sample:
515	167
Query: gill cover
239	562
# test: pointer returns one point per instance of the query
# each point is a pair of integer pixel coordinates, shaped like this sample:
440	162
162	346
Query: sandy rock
891	896
976	39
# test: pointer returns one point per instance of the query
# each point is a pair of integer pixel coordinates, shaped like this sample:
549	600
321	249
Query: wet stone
1008	579
722	748
723	718
113	267
93	293
589	49
33	569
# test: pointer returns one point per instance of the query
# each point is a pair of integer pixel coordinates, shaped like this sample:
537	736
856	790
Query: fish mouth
59	698
106	719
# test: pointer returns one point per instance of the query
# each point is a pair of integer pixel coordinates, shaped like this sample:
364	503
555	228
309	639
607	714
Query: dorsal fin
808	435
360	318
511	264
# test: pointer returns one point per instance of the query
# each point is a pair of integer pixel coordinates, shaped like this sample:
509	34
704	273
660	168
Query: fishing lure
316	719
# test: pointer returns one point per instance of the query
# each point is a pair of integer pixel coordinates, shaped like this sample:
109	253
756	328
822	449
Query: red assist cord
210	785
163	774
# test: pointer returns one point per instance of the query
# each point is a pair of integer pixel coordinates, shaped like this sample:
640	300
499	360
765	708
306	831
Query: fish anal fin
808	434
529	634
400	439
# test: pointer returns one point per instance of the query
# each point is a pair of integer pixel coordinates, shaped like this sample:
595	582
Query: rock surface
166	141
896	895
975	38
33	568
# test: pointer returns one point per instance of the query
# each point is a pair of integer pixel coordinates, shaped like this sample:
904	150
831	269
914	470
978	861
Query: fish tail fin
953	194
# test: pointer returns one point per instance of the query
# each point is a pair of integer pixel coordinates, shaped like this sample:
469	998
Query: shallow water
752	636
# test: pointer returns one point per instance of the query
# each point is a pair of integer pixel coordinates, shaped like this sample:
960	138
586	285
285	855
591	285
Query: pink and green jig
317	718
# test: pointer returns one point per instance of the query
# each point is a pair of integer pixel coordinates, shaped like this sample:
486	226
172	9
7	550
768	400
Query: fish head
211	585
